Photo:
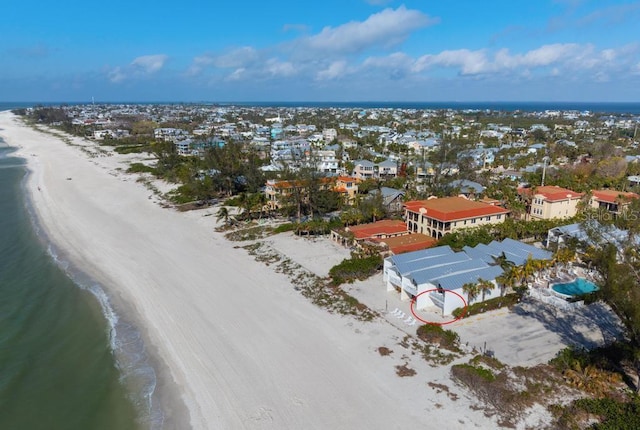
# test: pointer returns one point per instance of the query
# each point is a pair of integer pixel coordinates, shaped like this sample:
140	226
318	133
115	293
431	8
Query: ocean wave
125	340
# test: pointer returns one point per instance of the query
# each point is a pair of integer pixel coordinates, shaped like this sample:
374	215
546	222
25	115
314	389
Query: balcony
394	278
410	288
437	298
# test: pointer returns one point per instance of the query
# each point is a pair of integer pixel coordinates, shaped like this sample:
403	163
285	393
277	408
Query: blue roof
457	280
408	267
441	266
431	273
422	254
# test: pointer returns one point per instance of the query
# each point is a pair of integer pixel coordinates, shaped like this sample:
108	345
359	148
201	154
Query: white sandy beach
233	341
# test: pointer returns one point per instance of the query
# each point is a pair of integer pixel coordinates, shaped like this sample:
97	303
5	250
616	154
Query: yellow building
551	201
437	217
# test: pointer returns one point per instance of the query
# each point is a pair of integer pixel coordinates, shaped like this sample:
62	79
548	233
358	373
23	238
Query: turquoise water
66	361
578	287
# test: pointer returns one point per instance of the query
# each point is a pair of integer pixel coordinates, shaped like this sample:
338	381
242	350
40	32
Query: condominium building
437	217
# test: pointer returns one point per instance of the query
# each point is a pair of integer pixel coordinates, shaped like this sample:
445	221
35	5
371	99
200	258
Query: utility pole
544	170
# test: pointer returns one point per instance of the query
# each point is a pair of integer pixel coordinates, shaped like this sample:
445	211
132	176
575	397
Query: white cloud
386	28
116	75
237	74
335	70
547	54
149	63
278	68
139	67
234	59
469	62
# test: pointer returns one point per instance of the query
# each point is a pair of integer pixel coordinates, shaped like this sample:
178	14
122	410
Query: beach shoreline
174	414
230	338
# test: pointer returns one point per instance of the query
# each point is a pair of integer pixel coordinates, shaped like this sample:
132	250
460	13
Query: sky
346	50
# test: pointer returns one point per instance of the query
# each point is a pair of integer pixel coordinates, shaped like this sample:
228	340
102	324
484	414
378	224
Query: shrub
468	373
283	228
487	305
351	269
433	333
140	168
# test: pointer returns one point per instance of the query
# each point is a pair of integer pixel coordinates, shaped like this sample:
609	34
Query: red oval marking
464	309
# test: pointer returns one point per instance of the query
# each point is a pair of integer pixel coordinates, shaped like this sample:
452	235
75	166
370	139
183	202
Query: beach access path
232	340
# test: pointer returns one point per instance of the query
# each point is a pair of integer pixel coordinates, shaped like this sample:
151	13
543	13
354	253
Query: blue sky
347	50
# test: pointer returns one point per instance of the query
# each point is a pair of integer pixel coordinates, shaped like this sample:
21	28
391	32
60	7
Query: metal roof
455	281
443	260
431	273
422	254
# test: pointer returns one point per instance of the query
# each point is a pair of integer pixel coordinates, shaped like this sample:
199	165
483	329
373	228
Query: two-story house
363	169
437	217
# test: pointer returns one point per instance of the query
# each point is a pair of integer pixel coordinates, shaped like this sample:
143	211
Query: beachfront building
432	276
389	236
611	200
550	201
356	234
437	217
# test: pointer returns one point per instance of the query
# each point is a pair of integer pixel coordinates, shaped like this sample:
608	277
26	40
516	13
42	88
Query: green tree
472	290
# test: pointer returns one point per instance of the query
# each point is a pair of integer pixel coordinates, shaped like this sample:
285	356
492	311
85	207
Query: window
488	218
499	217
473	221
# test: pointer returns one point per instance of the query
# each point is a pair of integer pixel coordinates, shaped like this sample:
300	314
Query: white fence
546	296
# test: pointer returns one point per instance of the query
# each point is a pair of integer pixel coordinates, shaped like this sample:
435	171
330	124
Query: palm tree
223	214
502	261
245	203
471	289
484	286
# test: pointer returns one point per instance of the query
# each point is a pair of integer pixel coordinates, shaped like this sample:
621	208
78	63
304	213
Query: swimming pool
577	287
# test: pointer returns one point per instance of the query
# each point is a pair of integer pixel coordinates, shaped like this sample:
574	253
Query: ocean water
67	361
617	108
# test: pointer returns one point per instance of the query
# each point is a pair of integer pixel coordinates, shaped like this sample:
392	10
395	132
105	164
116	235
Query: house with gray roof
435	277
392	199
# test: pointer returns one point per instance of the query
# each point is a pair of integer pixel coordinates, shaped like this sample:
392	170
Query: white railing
546	296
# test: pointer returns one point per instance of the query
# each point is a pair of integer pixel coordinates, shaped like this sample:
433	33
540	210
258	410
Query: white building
328	134
435	277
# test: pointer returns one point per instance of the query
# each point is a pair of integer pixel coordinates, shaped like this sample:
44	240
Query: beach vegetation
435	334
486	306
600	414
140	168
404	370
358	268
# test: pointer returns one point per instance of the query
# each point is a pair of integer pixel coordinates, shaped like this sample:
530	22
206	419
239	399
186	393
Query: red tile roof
612	196
378	228
453	208
551	192
408	243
